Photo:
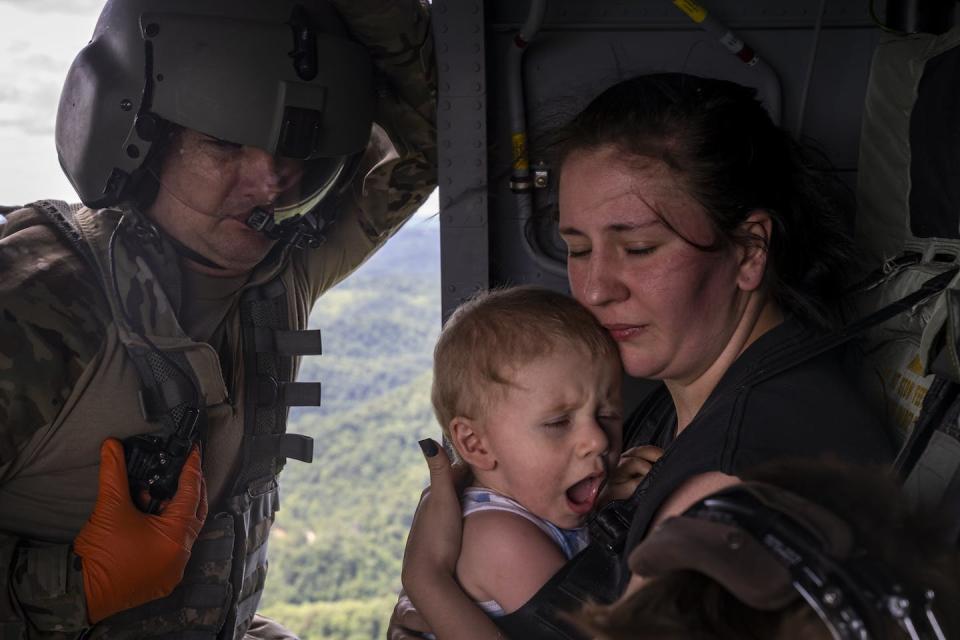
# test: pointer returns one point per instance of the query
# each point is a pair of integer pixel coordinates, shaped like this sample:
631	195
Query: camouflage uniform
66	382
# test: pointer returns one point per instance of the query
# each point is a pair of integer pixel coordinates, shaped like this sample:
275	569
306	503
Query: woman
699	236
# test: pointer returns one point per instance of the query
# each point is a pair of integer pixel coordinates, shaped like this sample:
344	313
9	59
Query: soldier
223	151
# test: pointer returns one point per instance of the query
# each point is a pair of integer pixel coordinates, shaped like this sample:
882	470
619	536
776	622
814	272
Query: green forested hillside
336	548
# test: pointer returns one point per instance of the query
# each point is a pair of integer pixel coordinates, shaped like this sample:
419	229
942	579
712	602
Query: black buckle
609	527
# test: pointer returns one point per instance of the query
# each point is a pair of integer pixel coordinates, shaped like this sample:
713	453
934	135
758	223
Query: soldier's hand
130	557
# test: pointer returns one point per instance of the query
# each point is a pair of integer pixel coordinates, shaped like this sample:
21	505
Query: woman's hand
406	623
433	544
430	562
632	468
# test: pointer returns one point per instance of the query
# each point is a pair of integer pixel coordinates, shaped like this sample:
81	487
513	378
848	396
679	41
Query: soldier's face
208	189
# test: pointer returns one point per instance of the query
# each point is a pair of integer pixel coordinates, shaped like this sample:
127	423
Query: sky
38	41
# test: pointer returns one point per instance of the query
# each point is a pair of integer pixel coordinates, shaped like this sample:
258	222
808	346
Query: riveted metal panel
462	138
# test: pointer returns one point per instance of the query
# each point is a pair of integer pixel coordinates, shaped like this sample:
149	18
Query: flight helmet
279	75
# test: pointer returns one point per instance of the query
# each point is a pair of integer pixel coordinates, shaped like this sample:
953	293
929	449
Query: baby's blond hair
501	329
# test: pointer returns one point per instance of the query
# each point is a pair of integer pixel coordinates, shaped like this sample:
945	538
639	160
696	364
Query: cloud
30	109
56	6
42	62
10	94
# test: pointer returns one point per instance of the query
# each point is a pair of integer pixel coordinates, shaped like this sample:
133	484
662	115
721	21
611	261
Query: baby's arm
506	558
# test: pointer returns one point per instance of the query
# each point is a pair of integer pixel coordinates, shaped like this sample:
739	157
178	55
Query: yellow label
905	390
520	151
915	366
695	12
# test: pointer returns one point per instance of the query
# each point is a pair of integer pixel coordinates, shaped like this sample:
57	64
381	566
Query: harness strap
169	385
286	445
288	343
807	350
273	393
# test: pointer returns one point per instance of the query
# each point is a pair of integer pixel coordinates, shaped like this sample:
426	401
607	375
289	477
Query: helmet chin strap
186	252
304	231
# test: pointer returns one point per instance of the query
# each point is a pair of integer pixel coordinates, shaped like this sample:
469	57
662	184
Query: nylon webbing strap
287	445
272	393
269	345
163	398
610	525
288	343
804	351
162	395
300	394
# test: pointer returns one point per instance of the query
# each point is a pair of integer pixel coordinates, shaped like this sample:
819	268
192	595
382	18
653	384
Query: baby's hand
634	464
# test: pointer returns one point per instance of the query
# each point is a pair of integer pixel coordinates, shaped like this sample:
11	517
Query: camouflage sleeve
44	590
400	167
50	327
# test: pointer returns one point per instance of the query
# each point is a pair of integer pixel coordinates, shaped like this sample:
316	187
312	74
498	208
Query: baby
527	389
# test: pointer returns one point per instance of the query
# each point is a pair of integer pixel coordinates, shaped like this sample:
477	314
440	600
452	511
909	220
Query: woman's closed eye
558	422
573	253
639	251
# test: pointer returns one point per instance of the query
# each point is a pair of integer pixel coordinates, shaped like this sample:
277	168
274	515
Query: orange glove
130	557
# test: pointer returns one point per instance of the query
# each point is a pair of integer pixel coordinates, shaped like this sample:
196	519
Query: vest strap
610	525
288	343
162	399
286	445
271	392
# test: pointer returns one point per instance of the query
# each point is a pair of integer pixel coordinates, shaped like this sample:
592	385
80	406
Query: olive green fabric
66	382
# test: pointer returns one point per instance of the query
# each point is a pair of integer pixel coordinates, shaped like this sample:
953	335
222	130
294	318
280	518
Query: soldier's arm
42	588
398	172
52	323
49	330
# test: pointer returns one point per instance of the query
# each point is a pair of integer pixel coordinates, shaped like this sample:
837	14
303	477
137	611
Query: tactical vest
224	577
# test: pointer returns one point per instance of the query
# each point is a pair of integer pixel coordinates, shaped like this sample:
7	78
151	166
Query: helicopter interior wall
579	52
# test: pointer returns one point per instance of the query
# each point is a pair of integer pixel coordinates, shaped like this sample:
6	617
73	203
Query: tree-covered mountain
338	540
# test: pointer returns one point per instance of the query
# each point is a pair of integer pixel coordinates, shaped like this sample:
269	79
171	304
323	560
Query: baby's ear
468	439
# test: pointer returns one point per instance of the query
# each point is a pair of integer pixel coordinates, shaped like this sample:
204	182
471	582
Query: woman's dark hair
721	142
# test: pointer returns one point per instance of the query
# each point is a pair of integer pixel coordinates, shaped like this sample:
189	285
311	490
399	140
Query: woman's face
670	306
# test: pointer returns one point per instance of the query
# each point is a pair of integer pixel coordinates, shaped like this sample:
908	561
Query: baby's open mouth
583	495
